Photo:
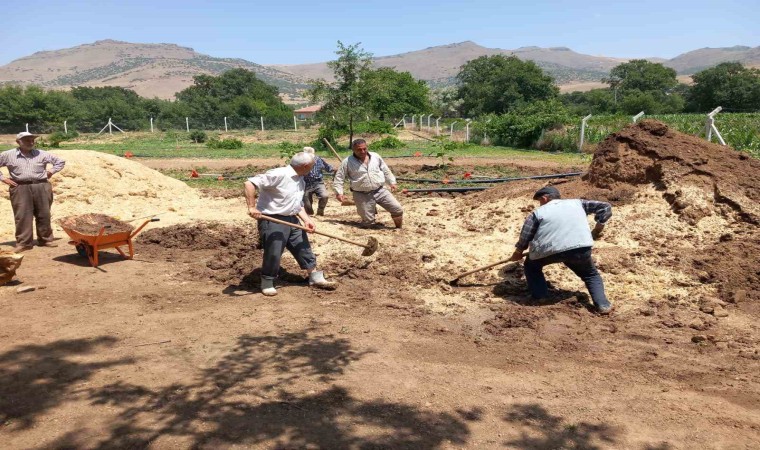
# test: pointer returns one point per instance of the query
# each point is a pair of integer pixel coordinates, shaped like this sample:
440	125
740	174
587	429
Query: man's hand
517	255
253	212
341	198
596	233
10	182
308	223
394	187
49	174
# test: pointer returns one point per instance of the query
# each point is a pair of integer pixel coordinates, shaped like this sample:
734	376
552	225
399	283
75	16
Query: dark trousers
322	195
579	261
31	203
275	238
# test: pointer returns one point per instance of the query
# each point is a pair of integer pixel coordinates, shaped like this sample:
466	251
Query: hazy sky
293	32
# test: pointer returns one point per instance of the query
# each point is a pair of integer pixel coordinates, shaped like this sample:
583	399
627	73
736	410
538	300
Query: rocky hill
161	70
151	70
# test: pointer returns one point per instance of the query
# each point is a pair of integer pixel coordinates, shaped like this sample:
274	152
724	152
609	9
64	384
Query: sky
297	32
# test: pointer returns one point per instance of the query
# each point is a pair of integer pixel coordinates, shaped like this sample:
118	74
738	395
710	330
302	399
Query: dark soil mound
222	253
90	224
650	153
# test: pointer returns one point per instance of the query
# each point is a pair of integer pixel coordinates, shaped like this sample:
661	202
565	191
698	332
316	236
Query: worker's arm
250	200
56	162
602	212
528	231
304	216
340	175
4	163
390	179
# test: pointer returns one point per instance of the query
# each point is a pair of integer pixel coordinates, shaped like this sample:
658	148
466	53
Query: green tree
445	101
235	93
595	101
642	75
387	93
730	85
495	84
342	99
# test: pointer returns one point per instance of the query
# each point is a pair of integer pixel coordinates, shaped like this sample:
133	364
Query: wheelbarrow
90	244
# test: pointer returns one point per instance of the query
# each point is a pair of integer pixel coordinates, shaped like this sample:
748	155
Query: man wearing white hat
30	192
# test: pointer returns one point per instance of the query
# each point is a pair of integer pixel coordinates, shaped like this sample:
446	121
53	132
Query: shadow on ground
277	391
36	378
542	430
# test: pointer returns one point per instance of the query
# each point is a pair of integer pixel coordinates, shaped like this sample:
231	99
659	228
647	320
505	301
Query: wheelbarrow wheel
83	250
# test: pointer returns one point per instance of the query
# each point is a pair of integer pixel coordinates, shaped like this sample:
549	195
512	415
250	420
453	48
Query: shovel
369	248
455	281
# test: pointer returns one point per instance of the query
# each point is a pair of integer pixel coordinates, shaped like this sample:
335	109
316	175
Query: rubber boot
267	287
317	279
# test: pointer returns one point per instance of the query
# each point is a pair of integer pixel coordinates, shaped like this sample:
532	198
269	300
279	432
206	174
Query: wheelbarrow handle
152	219
301	227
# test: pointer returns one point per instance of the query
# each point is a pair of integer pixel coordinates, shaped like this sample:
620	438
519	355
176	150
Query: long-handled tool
369	248
344	202
455	281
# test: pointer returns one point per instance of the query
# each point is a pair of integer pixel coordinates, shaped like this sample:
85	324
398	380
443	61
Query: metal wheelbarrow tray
90	244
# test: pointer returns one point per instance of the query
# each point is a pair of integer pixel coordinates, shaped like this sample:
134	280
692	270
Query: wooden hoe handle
301	227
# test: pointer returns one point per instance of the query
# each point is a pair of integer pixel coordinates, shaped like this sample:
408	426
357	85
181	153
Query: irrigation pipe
490	180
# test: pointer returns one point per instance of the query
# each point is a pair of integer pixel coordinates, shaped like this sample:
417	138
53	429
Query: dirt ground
177	349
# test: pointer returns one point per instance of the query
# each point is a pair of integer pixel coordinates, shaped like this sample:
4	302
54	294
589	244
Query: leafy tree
642	75
595	101
343	101
495	84
235	93
730	85
445	101
387	93
523	126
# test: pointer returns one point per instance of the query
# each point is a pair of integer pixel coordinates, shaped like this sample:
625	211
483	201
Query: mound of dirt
124	189
90	224
698	178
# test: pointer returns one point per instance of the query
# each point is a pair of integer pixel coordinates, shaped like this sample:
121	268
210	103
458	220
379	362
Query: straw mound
684	225
95	182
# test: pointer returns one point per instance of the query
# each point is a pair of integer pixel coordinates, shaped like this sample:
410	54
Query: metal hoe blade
371	247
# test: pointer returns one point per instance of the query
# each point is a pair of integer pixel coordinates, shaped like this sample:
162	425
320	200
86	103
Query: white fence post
638	116
451	133
27	128
225	124
710	126
110	125
437	127
403	120
65	128
187	124
295	124
467	131
583	132
262	123
429	116
414	120
420	122
151	124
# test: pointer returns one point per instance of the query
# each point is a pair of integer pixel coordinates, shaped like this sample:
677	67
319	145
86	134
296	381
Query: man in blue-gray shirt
558	232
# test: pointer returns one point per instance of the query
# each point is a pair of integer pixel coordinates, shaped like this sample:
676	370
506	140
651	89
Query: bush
54	139
388	142
374	127
198	136
227	144
523	126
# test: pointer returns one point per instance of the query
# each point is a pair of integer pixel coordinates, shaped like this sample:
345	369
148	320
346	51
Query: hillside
694	61
151	70
440	64
161	70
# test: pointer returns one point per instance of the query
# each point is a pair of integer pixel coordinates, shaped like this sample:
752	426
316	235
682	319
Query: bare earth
177	349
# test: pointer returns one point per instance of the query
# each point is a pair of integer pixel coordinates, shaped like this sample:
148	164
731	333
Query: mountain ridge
161	70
